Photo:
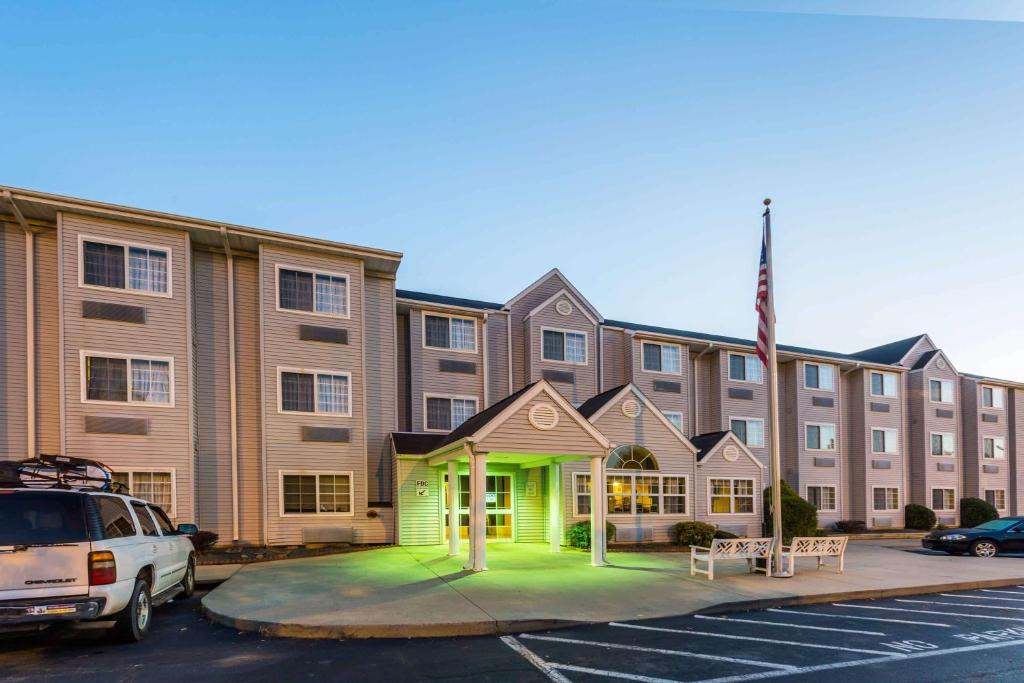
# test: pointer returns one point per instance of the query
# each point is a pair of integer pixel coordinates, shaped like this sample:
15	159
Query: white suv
87	555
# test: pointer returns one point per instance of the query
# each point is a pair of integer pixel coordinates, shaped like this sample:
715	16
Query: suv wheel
188	582
133	624
984	548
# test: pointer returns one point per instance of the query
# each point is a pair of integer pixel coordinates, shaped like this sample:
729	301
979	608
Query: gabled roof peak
891	353
555	272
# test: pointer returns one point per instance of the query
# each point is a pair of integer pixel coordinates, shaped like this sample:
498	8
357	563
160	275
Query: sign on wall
531	489
421	488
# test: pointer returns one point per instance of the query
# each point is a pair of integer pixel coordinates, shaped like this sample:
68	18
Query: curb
515	626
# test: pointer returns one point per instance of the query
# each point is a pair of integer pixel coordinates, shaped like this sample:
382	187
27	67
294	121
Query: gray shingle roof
446	300
925	359
595	403
705	443
889	354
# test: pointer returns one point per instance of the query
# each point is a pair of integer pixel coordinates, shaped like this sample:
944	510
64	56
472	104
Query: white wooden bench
749	549
816	546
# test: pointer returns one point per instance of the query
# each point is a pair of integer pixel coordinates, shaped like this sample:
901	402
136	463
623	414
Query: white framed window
994	447
663	358
745	368
820	437
730	496
313	492
749	430
127	378
643	493
884	384
885	441
943	499
155	486
940	390
104	263
885	498
315	292
819	376
314	392
996	498
992	397
675	418
823	498
443	413
943	443
452	332
563	346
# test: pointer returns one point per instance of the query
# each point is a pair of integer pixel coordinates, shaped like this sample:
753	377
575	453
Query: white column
478	501
555	506
472	513
597	496
453	508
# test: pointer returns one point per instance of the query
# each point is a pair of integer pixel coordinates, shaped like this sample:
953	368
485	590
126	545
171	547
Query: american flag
761	300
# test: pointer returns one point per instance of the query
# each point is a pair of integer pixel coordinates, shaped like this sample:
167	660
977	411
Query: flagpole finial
767	201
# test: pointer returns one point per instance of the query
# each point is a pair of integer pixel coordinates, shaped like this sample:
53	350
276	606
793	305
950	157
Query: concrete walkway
419	591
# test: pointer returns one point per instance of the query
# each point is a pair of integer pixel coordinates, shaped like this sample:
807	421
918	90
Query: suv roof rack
48	471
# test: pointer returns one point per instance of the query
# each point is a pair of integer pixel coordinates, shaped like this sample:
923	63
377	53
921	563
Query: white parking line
963	604
979	597
529	656
926	611
758	640
612	674
660	651
777	623
858	662
847	616
992	590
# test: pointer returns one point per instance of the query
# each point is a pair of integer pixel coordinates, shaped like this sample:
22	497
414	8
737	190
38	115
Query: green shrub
918	517
693	533
722	533
204	540
852	526
799	518
578	535
975	511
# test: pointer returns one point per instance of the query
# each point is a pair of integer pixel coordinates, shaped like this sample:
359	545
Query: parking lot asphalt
941	637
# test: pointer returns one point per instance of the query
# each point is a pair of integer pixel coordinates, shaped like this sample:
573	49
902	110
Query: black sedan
985	540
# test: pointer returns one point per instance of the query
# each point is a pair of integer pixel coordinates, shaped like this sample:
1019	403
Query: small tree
918	517
799	518
975	511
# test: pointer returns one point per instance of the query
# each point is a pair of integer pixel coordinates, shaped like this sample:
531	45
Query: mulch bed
248	554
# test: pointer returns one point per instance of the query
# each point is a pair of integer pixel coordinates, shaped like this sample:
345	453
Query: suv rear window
34	517
117	521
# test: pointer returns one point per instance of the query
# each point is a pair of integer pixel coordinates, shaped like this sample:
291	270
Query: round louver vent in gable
563	307
730	453
940	364
630	408
543	416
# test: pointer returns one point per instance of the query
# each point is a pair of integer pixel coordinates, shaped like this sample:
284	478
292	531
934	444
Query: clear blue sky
628	143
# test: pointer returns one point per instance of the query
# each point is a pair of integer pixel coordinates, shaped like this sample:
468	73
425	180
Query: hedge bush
693	533
722	533
852	526
799	518
975	511
204	540
578	535
918	517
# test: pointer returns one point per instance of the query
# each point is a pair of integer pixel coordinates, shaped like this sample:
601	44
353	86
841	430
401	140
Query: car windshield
997	524
41	517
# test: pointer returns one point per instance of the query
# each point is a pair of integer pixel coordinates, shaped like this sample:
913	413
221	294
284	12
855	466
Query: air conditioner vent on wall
543	416
630	408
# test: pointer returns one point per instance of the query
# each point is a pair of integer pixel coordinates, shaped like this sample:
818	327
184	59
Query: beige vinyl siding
521	343
924	420
855	447
427	378
976	480
531	512
756	408
808	413
614	368
283	445
1015	408
13	413
922	347
381	379
789	426
585	385
165	333
213	409
47	313
421	516
717	467
402	348
894	476
517	435
709	394
250	399
497	357
645	381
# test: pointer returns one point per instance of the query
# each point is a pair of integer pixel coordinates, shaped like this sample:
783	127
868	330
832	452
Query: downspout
508	321
483	342
30	326
232	382
696	390
600	359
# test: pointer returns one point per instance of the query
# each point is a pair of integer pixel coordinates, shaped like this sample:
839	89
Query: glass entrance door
498	497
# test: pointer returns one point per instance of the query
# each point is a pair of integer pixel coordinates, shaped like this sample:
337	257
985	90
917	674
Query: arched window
631	458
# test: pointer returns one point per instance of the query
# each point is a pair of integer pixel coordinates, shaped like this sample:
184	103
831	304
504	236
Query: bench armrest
698	547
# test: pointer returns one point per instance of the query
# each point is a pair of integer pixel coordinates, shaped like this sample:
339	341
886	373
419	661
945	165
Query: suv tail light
102	568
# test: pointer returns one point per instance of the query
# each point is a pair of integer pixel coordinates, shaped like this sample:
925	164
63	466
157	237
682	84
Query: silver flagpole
773	402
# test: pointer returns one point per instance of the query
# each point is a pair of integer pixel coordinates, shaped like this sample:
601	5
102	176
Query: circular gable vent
730	453
543	416
563	307
630	408
940	364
